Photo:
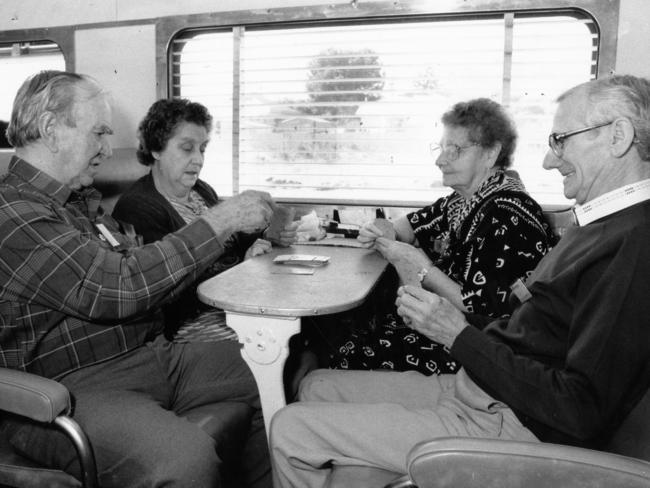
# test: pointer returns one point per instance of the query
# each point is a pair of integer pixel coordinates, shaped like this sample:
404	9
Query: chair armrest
32	396
467	462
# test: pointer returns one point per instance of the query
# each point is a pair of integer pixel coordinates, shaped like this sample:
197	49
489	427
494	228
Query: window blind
347	112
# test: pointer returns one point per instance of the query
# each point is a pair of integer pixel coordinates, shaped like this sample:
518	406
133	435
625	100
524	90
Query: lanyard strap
612	202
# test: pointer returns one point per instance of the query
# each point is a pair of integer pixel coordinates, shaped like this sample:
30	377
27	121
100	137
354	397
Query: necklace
192	207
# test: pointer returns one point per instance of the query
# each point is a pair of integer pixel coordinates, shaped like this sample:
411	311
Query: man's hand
407	259
248	212
374	229
260	246
286	236
282	229
429	314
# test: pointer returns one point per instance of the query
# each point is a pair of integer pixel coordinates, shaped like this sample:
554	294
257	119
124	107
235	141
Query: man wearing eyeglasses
567	366
579	179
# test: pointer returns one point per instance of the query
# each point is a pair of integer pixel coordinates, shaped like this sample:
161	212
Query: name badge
520	291
107	235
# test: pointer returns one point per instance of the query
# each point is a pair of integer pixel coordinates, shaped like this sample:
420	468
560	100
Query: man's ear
47	130
622	136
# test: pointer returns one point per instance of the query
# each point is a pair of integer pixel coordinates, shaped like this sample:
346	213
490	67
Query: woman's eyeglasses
556	139
451	150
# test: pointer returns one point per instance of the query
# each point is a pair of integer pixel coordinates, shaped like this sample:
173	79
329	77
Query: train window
18	60
346	112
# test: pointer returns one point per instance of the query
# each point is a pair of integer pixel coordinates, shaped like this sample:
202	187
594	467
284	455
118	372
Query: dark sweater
573	360
150	213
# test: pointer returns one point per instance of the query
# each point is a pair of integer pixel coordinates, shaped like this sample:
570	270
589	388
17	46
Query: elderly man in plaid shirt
80	303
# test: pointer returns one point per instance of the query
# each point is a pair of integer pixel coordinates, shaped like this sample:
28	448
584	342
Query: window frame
604	16
61	36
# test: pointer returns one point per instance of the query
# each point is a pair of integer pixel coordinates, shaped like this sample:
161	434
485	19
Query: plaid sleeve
49	259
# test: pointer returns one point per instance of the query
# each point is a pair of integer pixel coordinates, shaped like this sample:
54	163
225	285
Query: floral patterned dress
484	244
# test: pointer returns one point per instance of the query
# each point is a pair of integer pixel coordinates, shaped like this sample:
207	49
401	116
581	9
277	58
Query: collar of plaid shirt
88	197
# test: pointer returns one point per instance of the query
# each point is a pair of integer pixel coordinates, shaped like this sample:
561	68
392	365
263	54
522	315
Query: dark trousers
132	409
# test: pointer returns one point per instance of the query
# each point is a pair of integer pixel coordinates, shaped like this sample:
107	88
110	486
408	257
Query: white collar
612	202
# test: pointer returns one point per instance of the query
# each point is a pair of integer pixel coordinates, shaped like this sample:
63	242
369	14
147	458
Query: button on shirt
67	298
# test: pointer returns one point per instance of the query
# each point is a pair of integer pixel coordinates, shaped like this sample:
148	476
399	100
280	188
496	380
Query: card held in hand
386	228
282	216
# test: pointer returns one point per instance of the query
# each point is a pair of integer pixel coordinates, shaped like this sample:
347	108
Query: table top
261	287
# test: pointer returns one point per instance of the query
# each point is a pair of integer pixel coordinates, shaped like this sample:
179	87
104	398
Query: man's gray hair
619	96
47	91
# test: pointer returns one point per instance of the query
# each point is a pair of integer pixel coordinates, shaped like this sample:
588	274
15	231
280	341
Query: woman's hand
374	229
407	259
429	314
286	236
260	246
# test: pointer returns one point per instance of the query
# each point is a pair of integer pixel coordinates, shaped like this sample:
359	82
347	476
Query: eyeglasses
453	150
556	139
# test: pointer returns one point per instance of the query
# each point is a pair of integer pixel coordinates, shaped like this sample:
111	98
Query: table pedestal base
265	349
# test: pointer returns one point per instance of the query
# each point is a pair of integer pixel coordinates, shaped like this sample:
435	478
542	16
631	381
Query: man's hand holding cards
282	228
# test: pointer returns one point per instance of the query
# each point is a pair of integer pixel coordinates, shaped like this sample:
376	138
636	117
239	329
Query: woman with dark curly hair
173	137
468	247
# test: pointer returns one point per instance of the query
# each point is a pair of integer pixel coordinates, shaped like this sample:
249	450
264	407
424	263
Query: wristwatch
422	274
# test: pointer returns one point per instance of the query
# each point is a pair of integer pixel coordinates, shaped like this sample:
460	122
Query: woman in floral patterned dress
468	247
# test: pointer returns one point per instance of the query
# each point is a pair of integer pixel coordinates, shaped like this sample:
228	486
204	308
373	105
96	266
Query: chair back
560	220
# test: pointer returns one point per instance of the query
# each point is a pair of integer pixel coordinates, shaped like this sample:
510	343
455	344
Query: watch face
422	274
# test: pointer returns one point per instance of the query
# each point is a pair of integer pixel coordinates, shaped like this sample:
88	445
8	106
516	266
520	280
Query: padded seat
48	401
41	400
17	471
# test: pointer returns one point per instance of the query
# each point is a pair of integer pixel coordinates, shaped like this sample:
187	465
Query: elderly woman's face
179	164
464	164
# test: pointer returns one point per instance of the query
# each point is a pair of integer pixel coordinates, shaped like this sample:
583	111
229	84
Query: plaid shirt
68	299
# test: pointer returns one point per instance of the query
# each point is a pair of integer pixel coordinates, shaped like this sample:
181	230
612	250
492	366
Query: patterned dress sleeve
430	227
509	239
